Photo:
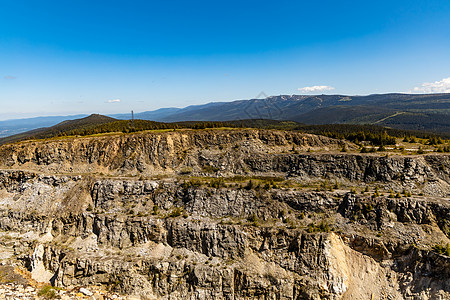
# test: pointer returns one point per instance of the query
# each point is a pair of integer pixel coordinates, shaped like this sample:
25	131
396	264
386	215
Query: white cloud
113	101
442	86
316	88
10	77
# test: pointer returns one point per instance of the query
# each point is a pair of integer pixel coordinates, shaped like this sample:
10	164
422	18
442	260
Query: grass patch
176	212
48	292
441	249
323	226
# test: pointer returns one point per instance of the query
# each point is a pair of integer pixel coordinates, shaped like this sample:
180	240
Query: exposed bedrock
233	214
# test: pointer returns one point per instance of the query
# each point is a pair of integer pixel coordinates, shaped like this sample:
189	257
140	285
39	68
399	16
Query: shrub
406	194
391	194
364	150
253	218
250	185
175	213
210	169
191	183
322	227
185	171
217	183
48	292
368	207
441	249
377	192
336	185
267	186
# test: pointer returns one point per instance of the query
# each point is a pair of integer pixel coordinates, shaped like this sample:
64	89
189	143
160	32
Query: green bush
391	194
252	218
186	171
322	227
377	192
441	249
155	209
176	213
191	183
48	292
364	150
210	169
250	185
217	183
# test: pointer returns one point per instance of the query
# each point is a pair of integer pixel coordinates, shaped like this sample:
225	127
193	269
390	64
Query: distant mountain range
96	124
403	111
15	126
430	112
63	127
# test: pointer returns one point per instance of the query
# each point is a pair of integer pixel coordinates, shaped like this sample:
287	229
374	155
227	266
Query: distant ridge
14	126
429	112
426	112
61	128
99	125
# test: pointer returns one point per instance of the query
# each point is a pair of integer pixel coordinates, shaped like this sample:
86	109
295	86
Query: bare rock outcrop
226	215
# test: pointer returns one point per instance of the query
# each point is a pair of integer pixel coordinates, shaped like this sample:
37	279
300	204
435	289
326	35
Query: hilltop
61	128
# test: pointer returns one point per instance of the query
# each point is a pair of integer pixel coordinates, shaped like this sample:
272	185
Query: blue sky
70	57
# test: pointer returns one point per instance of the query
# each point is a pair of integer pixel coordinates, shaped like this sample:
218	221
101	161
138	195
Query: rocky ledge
225	215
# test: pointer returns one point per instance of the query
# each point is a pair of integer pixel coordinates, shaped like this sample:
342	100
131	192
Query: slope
61	128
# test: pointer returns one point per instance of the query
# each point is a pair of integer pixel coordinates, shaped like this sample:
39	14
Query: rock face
233	214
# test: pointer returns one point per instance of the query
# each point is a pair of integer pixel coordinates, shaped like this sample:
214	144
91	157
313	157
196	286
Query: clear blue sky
68	57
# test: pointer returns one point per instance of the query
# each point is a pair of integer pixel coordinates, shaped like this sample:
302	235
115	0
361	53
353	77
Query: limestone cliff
226	214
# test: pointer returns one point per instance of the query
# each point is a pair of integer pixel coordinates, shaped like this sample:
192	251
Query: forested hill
97	125
425	112
403	111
